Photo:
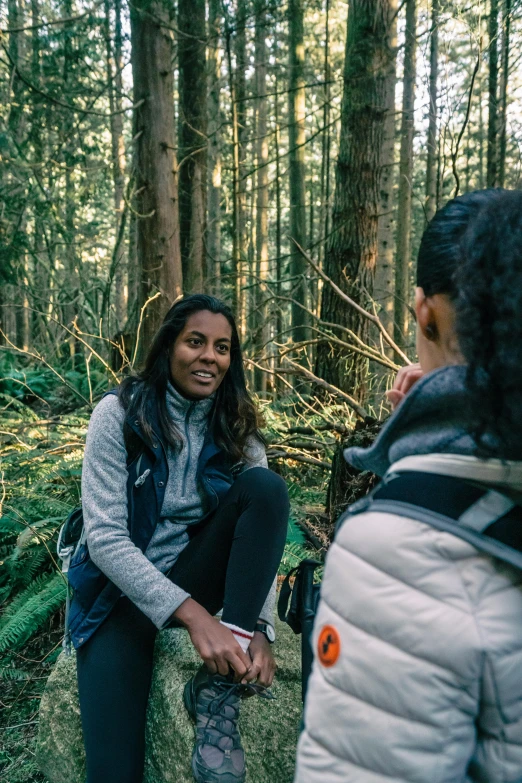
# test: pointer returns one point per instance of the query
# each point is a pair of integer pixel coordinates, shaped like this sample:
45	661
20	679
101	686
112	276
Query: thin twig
352	402
142	312
369	317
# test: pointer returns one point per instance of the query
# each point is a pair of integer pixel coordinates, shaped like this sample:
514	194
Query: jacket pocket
86	579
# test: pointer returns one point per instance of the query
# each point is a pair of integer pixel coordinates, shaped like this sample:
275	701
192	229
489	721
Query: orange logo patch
329	645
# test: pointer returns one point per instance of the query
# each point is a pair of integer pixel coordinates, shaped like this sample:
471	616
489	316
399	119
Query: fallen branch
298	457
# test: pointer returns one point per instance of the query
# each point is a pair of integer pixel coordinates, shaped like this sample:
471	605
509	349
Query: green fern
34	588
11	674
32	612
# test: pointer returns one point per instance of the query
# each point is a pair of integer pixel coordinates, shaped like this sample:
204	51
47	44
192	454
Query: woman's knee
266	487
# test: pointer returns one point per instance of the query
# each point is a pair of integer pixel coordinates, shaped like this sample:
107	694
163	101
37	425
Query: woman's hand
406	378
263	665
214	643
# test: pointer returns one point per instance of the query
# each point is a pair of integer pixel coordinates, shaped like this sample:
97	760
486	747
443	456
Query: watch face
270	633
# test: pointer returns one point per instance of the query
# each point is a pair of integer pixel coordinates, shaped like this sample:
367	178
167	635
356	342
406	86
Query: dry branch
369	317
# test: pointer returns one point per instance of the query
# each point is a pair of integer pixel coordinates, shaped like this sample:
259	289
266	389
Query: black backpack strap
480	515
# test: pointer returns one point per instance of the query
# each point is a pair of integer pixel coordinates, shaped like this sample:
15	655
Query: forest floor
20	702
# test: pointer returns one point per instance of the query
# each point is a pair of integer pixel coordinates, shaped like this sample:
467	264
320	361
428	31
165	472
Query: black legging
229	563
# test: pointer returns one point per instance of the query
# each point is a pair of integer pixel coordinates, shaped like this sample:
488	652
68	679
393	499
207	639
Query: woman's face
200	356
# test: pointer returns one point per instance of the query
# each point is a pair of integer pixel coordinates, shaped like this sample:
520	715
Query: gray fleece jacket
141	577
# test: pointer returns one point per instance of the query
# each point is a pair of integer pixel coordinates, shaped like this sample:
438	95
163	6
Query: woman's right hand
215	643
405	379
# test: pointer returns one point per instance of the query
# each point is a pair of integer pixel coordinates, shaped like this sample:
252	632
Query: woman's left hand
263	662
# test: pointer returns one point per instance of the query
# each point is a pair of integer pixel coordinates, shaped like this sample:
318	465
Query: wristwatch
266	629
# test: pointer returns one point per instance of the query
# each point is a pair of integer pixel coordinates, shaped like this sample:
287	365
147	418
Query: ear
426	319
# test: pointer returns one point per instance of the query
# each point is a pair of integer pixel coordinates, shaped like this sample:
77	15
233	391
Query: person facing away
182	519
427	685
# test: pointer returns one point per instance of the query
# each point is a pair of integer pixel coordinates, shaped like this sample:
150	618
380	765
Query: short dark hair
472	251
234	415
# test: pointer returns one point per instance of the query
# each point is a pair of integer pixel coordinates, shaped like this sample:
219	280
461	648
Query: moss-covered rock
269	728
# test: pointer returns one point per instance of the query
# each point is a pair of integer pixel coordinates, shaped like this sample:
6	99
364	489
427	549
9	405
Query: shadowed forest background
285	157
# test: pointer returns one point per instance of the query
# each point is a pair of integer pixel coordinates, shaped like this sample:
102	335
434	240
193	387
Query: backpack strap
484	517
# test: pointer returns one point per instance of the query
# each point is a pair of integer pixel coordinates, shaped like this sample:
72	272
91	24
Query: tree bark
192	142
262	314
296	140
19	326
384	272
432	163
213	253
506	30
156	202
492	159
241	258
403	260
114	81
352	250
41	261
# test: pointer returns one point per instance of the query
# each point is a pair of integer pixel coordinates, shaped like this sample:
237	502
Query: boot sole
211	777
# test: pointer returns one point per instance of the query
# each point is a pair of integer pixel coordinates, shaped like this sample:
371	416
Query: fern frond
36	587
32	614
38	532
7	673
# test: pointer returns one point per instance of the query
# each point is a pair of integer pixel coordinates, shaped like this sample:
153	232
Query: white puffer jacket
427	687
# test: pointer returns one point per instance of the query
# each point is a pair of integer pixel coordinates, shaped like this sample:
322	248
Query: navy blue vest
94	594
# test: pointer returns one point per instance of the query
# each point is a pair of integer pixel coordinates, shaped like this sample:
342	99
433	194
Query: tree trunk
402	265
481	135
431	164
261	314
192	142
278	227
506	29
384	272
19	327
241	260
352	249
157	228
214	149
492	161
72	282
296	141
326	142
114	81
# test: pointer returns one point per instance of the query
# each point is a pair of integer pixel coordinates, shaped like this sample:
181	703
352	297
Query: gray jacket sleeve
104	499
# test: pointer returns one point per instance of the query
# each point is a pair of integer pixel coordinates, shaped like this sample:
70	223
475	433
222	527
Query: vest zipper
187	463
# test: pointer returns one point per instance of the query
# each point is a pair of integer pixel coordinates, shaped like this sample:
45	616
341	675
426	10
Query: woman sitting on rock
418	635
182	519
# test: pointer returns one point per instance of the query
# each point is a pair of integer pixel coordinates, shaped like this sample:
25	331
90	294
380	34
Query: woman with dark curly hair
182	519
419	633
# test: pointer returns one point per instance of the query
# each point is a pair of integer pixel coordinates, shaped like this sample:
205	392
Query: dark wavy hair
472	251
234	416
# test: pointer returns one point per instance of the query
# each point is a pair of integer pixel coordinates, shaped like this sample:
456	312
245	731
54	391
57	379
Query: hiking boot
212	702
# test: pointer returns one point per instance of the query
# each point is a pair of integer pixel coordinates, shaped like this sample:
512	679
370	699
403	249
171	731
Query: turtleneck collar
431	419
178	406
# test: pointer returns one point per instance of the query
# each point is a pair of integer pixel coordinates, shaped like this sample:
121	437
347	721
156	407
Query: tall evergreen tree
352	250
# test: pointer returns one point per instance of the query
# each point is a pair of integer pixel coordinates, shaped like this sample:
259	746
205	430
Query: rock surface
269	729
